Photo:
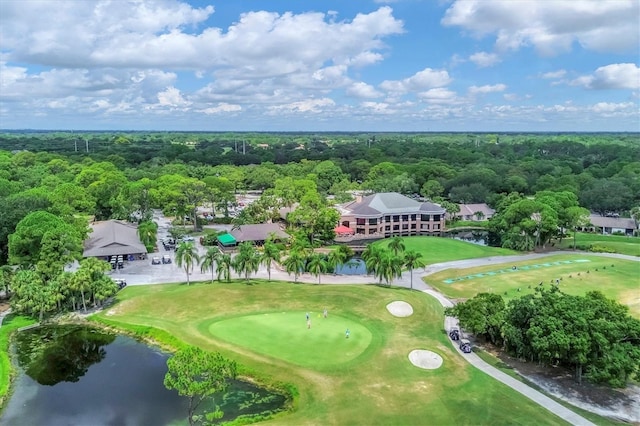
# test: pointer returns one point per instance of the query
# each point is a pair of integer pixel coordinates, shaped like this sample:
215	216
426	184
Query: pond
471	236
355	266
76	375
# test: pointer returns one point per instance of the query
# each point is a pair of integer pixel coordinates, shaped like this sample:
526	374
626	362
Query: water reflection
80	376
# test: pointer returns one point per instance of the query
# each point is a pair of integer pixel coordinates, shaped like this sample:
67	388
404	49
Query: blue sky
404	65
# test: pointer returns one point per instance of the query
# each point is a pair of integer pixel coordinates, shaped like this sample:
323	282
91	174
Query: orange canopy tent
344	230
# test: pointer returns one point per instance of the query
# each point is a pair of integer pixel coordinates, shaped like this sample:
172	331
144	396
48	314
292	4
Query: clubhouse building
389	214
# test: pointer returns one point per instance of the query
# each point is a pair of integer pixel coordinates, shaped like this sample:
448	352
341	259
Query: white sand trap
425	359
400	309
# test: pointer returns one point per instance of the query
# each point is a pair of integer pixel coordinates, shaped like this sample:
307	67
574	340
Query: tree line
593	335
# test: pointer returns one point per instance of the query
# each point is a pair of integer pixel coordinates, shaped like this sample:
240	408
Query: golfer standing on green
346	333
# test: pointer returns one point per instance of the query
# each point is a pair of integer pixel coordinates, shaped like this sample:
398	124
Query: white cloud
484	59
481	90
554	74
425	79
309	105
172	97
221	108
614	76
363	91
438	96
550	26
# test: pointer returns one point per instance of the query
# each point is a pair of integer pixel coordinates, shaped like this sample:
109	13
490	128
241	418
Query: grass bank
376	384
9	325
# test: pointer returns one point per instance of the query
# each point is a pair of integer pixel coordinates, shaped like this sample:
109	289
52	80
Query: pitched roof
390	203
111	238
612	222
471	209
226	239
258	232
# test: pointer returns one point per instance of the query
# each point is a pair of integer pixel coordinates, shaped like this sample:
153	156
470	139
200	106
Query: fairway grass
285	335
617	279
438	249
363	381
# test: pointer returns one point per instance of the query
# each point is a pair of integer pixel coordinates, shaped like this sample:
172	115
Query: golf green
287	336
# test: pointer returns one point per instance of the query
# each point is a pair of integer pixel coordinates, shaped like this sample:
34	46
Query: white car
187	238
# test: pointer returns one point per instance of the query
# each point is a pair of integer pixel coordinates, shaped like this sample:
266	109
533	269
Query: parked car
166	259
454	333
156	260
465	346
187	238
120	283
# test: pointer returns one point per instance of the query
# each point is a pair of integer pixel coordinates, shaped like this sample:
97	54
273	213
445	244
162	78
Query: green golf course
366	379
575	274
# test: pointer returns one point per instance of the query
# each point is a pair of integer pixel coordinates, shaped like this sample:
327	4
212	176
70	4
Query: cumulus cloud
484	59
363	91
425	79
481	90
171	97
550	26
614	76
438	96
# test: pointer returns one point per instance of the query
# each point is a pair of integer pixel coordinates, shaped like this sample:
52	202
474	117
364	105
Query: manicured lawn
286	335
615	243
617	279
366	379
437	249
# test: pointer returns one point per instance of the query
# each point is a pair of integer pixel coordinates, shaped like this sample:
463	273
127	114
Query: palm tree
209	260
295	263
371	256
186	257
412	260
389	267
148	231
270	254
223	267
339	256
397	245
247	260
317	265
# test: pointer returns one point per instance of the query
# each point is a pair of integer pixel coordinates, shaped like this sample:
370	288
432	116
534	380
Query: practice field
437	249
287	336
575	274
366	379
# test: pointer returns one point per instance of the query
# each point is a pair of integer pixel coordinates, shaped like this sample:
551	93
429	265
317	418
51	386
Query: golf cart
121	283
155	260
454	333
166	259
465	346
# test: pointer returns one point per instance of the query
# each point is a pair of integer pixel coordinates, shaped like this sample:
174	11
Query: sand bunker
400	309
425	359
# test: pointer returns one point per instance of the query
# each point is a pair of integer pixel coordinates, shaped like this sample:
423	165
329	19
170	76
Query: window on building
436	218
425	226
405	217
436	226
387	228
373	221
405	226
360	231
396	218
360	221
425	217
396	227
413	226
387	219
